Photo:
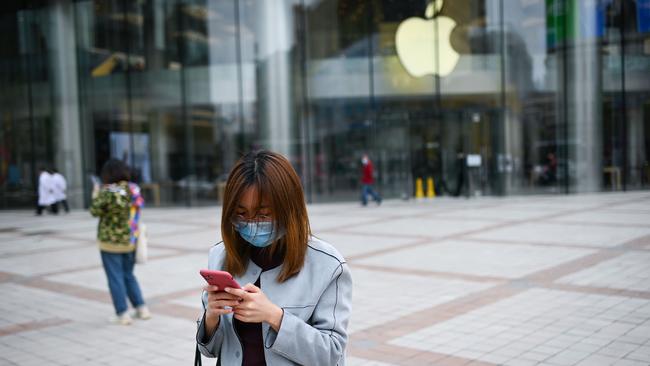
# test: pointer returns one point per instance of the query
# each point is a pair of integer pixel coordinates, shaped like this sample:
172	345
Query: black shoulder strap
197	358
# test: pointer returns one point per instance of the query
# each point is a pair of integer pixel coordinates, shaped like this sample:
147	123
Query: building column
276	41
584	102
68	152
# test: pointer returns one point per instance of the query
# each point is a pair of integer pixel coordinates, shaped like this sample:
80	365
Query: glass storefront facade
542	96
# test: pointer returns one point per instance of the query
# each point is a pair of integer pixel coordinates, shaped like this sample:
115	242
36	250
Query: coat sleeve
209	347
99	204
323	341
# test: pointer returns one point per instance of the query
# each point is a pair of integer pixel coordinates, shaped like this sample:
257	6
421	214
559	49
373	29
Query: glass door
466	154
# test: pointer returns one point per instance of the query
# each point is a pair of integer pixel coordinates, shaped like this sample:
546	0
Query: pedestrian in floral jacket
117	204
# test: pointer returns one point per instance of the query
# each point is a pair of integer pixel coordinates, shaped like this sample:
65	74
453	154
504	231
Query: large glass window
473	122
28	139
341	120
535	118
477	96
161	90
625	30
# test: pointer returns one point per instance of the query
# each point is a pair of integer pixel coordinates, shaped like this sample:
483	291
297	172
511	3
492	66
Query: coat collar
253	272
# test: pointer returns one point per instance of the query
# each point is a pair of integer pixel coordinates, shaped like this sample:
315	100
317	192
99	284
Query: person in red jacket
367	180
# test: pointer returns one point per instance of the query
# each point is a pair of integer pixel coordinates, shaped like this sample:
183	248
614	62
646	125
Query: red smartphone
222	279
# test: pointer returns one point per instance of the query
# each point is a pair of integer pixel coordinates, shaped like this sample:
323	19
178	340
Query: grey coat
316	304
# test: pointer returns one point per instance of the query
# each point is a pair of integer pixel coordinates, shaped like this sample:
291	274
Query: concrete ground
561	280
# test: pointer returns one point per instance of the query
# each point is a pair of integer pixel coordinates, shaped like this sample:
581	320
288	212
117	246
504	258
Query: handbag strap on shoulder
197	357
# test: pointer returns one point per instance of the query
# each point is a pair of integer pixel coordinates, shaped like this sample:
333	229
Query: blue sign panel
643	15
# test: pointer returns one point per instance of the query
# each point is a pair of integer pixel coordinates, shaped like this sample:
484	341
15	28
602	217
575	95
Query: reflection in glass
551	96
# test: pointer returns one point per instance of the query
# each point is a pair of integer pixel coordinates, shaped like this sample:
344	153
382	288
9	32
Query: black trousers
63	203
53	208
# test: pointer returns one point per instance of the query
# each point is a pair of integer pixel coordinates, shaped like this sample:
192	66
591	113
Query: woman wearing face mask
295	305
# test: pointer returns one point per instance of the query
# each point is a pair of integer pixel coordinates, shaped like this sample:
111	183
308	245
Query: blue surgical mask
258	233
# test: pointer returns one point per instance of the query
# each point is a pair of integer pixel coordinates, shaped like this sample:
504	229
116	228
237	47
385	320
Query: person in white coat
60	187
46	197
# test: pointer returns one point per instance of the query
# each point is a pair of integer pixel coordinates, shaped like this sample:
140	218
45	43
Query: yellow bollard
431	191
419	193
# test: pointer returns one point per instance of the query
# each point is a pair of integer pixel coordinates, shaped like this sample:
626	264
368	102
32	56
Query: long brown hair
274	178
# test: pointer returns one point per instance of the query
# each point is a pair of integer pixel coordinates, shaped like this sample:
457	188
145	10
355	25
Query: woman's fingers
215	291
210	288
221	311
230	303
249	287
222	296
219	300
227	296
242	316
238	292
219	307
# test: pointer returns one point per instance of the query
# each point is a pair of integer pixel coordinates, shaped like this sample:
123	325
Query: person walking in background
46	197
60	186
117	204
549	172
296	299
367	180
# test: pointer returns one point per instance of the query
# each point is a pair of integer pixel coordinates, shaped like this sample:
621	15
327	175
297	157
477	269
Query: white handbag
141	247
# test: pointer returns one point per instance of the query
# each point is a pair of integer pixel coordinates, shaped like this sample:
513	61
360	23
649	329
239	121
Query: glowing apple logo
416	41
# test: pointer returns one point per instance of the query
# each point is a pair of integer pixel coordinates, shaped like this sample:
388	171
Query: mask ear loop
240	225
278	231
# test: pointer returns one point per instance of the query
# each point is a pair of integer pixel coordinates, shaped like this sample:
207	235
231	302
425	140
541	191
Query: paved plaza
539	280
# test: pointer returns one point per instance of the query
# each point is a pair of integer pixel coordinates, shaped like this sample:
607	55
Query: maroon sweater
250	334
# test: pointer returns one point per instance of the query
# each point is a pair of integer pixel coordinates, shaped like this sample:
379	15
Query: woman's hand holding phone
255	307
249	304
219	303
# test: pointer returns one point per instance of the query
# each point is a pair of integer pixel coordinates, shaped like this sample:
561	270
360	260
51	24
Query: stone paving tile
196	240
325	223
21	222
603	200
355	361
548	325
161	341
8	232
418	300
203	214
53	223
192	301
630	271
392	208
639	205
23	305
156	278
565	234
33	244
458	256
500	213
163	228
383	296
351	245
426	227
46	262
556	204
73	224
607	217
